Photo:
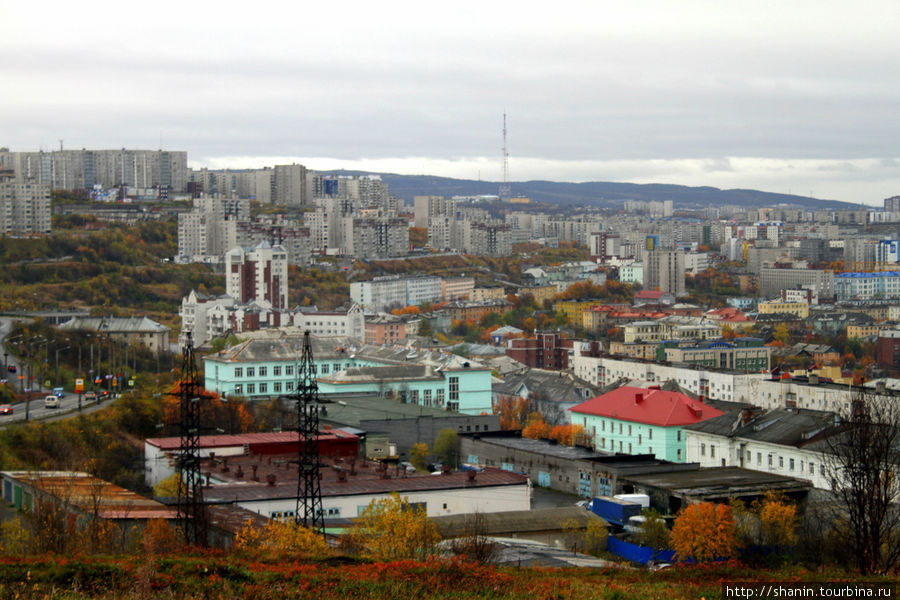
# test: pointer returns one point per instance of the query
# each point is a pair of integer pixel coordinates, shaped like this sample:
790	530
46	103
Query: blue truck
614	510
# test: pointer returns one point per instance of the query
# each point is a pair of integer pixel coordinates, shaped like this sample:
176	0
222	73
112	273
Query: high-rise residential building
289	185
83	169
664	271
426	207
210	228
277	231
375	237
258	273
892	204
486	239
24	208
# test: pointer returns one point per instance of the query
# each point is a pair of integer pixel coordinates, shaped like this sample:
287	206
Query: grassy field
218	576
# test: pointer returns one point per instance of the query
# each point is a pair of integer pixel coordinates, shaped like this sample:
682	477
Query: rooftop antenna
60	145
505	193
309	511
191	510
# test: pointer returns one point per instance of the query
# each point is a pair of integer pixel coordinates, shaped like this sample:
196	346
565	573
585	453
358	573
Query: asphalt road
35	409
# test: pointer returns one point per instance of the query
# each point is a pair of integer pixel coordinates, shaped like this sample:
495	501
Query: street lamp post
29	357
57	362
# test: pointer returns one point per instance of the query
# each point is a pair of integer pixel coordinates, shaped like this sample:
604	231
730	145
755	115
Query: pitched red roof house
649	406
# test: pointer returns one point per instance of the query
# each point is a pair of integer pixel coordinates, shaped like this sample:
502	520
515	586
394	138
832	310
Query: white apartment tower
258	273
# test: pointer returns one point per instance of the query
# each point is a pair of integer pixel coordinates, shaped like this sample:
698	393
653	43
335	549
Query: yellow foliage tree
418	456
703	532
535	428
393	529
778	521
168	487
279	538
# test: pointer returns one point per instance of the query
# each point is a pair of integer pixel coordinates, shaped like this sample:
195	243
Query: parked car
11	368
6	409
51	401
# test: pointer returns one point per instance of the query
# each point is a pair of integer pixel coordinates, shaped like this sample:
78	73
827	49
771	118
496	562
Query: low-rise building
129	330
782	441
741	354
641	421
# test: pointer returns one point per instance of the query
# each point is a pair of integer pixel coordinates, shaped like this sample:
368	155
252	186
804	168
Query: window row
288	370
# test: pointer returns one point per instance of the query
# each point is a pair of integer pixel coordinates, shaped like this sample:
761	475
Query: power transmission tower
191	510
309	511
505	192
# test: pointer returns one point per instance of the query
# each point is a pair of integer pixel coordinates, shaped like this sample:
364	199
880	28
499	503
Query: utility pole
191	510
309	511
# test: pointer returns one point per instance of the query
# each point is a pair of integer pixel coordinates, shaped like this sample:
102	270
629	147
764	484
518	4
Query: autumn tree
567	435
589	537
392	529
535	427
281	539
446	446
418	456
704	532
474	544
512	412
861	468
771	522
653	533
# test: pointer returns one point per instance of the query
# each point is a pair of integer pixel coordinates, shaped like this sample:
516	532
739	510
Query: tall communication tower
309	492
505	193
191	510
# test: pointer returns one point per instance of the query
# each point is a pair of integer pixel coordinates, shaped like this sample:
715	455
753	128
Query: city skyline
797	98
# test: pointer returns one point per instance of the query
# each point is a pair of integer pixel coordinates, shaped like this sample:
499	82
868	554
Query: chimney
746	416
255	477
270	479
700	398
342	476
239	473
225	467
638	397
813	379
207	475
445	469
212	456
470	476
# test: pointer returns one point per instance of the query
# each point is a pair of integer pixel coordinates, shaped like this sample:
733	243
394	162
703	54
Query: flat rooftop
352	410
233	478
719	481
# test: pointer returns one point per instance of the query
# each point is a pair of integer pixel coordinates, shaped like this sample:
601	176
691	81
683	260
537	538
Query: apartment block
83	169
24	209
664	271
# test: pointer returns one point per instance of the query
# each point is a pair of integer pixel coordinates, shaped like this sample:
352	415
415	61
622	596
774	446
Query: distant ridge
601	194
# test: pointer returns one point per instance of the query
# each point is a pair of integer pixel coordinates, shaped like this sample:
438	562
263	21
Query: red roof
728	314
250	439
649	406
654	294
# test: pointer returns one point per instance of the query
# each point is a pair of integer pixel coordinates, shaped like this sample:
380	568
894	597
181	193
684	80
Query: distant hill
601	194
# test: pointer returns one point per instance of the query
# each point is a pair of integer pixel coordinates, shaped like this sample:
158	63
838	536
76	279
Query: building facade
258	273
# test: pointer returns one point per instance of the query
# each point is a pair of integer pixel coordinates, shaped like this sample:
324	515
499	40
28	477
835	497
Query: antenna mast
505	193
309	511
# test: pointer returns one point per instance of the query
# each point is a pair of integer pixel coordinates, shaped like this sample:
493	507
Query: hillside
215	576
596	193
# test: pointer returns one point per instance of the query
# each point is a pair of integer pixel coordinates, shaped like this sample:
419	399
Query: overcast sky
785	96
